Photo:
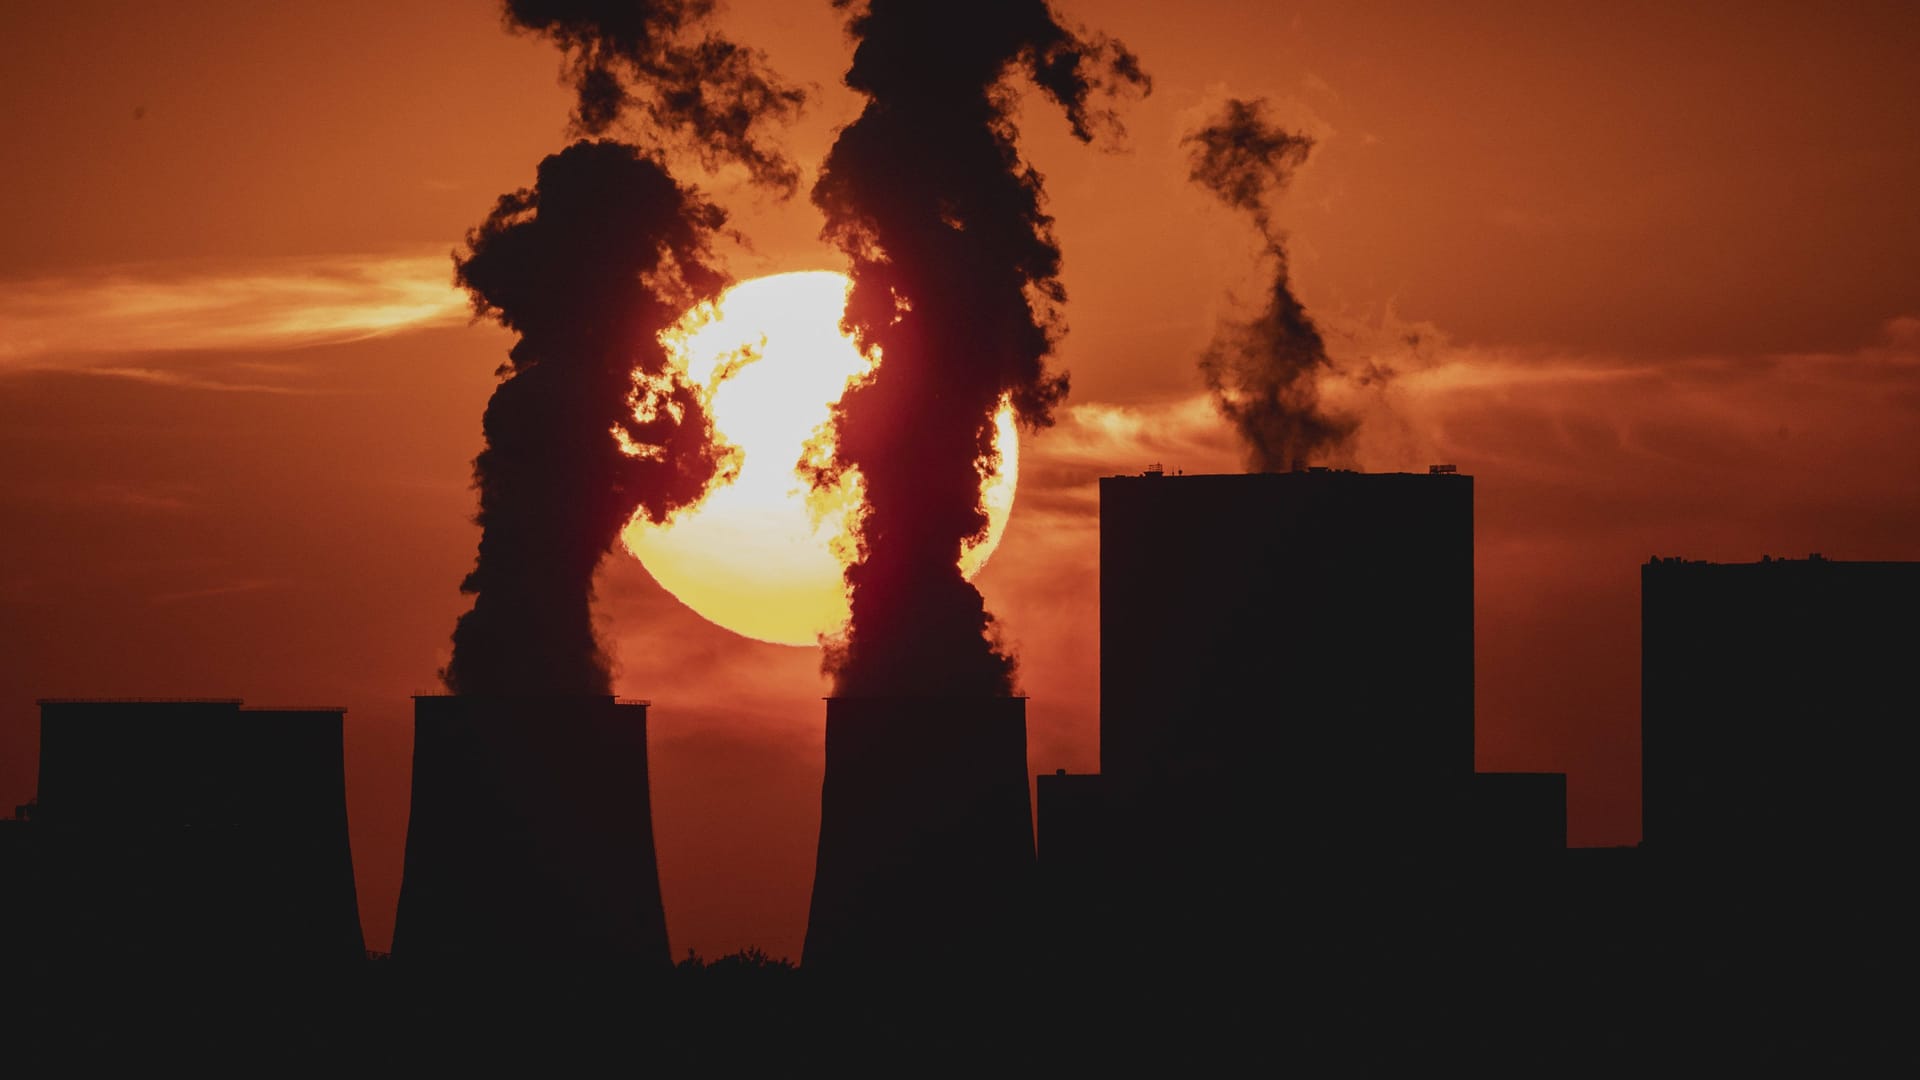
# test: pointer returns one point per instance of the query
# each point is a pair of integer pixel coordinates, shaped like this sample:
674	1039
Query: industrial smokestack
926	835
195	834
926	838
530	839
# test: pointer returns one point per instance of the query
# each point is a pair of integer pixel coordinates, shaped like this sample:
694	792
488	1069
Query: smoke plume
1264	373
956	282
644	56
591	422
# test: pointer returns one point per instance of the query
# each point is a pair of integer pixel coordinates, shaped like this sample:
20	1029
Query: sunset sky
1647	271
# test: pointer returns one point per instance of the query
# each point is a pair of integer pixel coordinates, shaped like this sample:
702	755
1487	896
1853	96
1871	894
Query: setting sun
764	555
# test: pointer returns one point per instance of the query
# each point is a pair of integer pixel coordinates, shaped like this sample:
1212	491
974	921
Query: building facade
1291	652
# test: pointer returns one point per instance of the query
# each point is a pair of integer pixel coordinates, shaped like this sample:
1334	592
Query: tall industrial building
926	855
1286	659
193	834
1779	710
530	837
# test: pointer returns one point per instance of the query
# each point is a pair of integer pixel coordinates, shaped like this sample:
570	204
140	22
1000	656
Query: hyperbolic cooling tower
530	840
926	834
195	834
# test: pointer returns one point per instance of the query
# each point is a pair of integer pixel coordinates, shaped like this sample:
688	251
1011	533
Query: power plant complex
1286	722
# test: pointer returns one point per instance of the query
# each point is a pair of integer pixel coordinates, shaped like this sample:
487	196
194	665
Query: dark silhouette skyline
1289	662
1287	709
1231	832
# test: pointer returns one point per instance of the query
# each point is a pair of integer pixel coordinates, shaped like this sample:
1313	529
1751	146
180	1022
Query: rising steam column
926	835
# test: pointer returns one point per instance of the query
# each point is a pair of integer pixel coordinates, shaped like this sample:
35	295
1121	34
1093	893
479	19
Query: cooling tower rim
137	701
926	697
238	704
1316	472
614	699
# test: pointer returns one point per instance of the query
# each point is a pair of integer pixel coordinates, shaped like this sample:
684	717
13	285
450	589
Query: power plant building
1286	659
1778	706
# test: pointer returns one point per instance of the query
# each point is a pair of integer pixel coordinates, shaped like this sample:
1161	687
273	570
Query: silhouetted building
21	923
1090	905
1511	888
1777	721
195	833
1289	655
926	836
530	838
1518	813
1075	819
1778	706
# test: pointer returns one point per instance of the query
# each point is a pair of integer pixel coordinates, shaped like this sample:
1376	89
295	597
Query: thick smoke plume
648	57
1265	373
591	422
956	282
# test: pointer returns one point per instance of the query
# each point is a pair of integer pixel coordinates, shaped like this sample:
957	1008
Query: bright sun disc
765	556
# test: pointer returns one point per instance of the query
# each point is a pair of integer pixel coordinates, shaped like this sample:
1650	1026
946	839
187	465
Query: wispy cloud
1581	420
1104	438
270	303
189	381
161	499
244	585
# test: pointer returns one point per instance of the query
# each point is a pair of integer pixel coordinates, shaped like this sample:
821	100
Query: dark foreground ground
1603	965
1607	1009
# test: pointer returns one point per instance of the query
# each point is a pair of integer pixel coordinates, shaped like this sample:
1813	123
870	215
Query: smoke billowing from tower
1264	373
956	281
642	57
590	422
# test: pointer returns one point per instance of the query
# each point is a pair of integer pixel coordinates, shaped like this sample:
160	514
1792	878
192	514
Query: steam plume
1265	373
956	280
643	56
590	422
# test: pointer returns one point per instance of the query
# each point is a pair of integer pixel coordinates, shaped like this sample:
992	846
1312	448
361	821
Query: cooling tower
194	835
926	835
530	840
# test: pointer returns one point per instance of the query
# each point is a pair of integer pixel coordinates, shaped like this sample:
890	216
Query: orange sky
1647	274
